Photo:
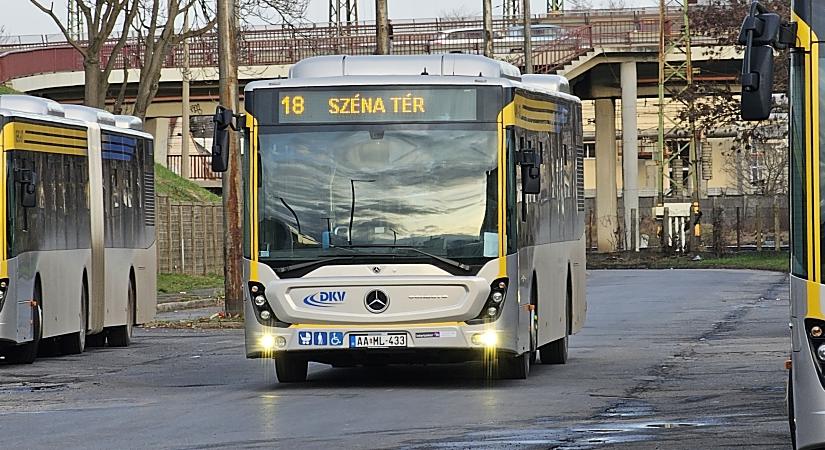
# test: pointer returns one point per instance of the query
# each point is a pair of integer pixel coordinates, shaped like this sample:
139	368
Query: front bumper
432	341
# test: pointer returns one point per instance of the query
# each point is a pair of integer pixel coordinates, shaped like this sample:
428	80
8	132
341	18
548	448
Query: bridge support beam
606	208
159	129
630	157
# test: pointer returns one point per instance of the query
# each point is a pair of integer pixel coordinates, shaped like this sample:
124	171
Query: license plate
383	340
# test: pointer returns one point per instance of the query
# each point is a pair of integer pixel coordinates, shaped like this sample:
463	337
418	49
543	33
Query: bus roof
447	69
26	106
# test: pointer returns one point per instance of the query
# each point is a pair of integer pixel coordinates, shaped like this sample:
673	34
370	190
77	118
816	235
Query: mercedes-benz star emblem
376	269
376	301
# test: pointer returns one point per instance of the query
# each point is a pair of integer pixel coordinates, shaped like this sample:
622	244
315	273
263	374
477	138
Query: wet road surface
668	359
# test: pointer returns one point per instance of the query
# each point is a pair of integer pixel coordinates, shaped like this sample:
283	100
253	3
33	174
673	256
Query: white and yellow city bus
411	209
77	227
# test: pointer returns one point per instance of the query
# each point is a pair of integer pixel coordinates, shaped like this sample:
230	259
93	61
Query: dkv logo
325	299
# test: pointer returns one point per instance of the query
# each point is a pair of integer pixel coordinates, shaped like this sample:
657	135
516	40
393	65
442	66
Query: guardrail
200	167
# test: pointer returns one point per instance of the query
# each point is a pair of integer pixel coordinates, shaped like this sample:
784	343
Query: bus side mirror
529	161
28	187
220	139
757	84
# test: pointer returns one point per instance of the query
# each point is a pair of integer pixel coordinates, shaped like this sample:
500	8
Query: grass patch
173	283
767	260
7	90
169	184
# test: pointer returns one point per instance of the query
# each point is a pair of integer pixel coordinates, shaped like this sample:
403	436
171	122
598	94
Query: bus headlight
821	352
492	307
488	339
815	332
267	342
260	304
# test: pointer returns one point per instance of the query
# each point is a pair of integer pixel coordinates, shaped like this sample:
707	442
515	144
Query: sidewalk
197	298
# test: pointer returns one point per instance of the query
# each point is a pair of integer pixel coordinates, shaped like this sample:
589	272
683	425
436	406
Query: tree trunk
96	86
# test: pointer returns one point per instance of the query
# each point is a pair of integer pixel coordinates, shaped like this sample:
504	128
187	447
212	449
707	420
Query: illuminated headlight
494	304
266	315
487	339
820	352
497	297
268	342
260	300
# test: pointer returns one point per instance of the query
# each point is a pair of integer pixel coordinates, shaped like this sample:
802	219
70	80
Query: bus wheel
27	353
290	368
514	367
76	342
556	352
121	336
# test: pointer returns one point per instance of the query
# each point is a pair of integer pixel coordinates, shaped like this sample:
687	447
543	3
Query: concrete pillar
606	208
158	127
630	155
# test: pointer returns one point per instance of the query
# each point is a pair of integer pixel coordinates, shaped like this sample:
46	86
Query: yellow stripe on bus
814	300
252	124
46	139
815	167
804	35
505	118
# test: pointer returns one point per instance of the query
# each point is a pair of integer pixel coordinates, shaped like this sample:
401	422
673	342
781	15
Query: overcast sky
20	17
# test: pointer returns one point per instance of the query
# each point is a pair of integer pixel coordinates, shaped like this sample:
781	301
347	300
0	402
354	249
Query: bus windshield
378	188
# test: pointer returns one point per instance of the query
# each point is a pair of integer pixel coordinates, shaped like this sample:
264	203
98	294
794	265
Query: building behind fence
728	223
190	237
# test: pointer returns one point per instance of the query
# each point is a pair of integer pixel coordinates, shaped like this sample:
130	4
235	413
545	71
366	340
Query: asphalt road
668	359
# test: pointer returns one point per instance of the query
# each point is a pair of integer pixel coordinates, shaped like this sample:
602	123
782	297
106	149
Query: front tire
121	336
27	353
290	368
514	367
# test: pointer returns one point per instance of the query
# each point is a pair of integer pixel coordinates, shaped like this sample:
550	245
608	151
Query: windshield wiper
307	264
321	260
442	259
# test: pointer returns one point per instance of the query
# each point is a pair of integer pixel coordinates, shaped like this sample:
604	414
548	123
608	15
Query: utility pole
528	39
512	11
381	28
487	11
184	133
232	207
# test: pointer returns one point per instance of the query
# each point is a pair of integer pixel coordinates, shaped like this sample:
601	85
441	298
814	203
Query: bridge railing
200	166
286	45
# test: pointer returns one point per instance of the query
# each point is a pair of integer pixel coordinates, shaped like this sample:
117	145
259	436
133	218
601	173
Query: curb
188	304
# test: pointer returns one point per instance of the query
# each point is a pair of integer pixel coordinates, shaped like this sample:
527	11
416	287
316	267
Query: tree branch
62	27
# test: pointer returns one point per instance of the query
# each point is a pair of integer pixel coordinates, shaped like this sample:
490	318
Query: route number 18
293	105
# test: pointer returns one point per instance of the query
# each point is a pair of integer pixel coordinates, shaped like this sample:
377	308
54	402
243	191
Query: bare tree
579	5
616	4
156	35
460	14
100	18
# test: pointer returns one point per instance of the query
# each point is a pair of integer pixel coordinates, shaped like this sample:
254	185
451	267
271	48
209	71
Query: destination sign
383	105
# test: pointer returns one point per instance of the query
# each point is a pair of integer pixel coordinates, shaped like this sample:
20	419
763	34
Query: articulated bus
77	227
411	209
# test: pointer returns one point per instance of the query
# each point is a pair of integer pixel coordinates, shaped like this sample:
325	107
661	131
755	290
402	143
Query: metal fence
730	223
190	237
200	167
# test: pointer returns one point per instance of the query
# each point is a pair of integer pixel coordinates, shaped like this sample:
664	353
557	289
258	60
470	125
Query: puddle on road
572	438
26	387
